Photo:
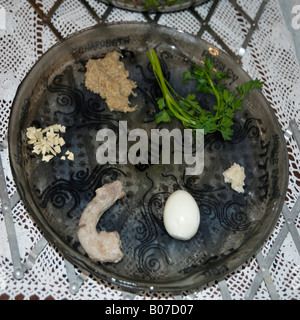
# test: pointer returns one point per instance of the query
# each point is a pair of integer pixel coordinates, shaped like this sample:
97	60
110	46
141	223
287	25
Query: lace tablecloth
269	53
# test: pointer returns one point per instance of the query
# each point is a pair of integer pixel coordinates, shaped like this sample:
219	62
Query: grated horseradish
236	176
48	142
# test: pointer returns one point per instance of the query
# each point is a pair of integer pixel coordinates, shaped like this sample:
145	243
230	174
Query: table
262	36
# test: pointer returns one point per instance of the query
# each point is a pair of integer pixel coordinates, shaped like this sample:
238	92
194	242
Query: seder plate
233	225
153	6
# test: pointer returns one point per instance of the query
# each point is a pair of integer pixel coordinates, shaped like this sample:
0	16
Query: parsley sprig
188	111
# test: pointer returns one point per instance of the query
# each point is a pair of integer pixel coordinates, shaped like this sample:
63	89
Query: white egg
181	215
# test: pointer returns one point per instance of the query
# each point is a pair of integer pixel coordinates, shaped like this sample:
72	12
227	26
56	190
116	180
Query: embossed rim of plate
195	282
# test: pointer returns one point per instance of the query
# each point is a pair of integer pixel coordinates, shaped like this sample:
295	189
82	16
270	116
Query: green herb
188	111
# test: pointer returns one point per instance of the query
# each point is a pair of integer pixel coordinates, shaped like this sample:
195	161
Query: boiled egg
181	215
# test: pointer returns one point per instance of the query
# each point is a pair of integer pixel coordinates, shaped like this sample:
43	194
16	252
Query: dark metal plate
233	225
153	6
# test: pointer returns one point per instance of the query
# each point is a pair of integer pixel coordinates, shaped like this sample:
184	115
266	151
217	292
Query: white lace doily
270	56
